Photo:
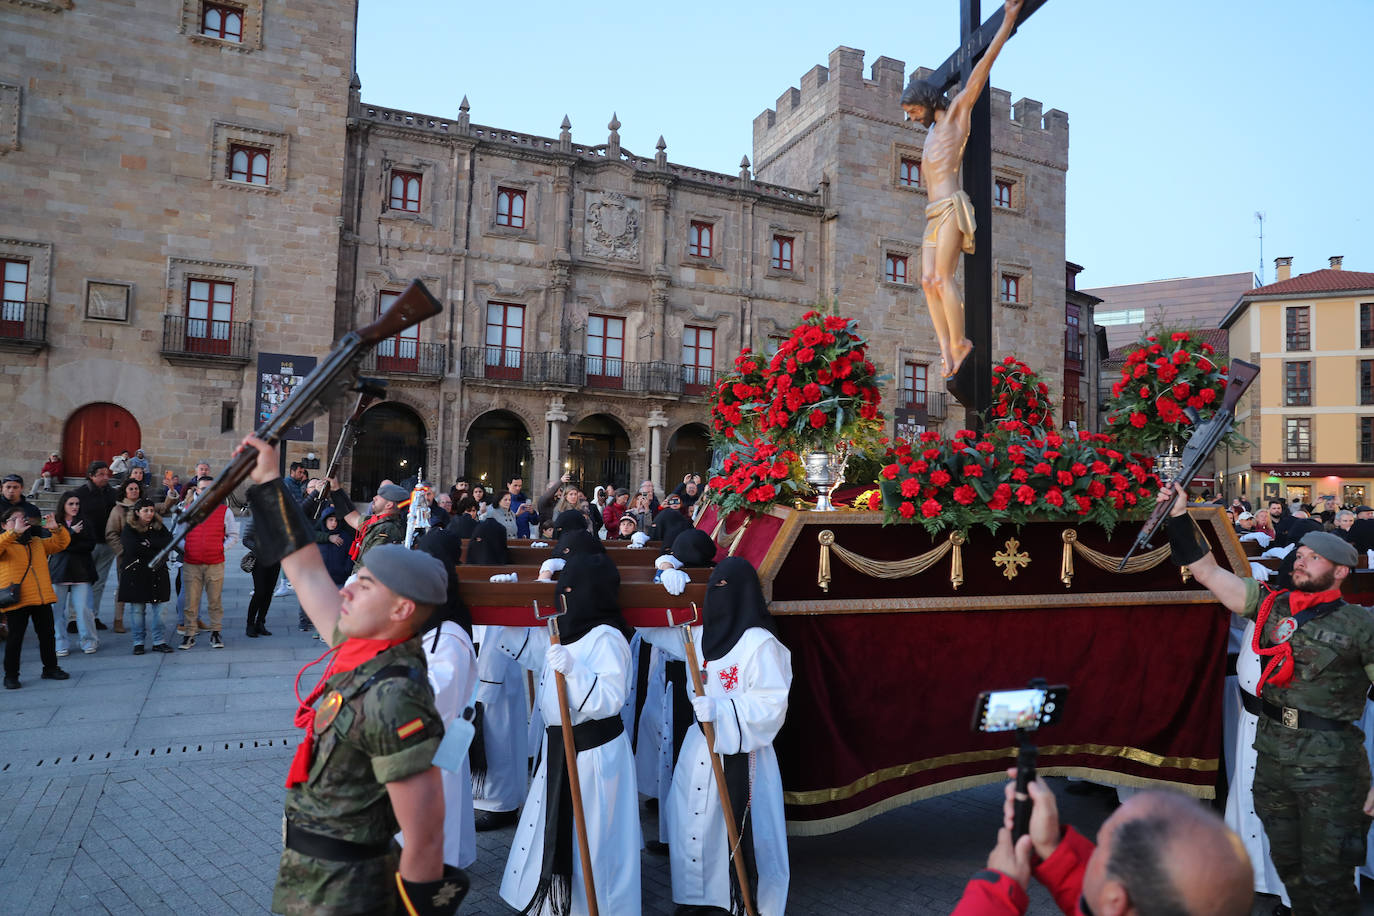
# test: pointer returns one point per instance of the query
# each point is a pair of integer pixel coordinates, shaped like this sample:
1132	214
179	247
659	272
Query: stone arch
395	446
599	451
689	451
97	432
500	446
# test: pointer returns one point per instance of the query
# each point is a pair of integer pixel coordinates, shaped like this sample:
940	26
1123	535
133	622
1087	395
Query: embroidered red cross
729	677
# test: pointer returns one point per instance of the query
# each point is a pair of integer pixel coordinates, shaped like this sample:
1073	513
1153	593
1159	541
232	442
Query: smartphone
1026	708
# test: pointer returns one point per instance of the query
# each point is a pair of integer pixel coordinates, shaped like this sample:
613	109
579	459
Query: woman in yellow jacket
24	551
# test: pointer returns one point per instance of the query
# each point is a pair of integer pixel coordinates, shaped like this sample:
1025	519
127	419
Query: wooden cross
1011	559
974	389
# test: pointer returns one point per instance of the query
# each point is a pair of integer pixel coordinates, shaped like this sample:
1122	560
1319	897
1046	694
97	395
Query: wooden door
98	432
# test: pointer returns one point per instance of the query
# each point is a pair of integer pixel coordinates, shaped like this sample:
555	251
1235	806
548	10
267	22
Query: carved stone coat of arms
612	230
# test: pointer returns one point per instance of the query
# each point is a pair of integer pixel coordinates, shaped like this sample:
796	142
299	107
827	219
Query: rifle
317	391
369	390
1201	444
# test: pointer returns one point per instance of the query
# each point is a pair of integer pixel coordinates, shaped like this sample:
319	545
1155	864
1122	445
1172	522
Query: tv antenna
1259	215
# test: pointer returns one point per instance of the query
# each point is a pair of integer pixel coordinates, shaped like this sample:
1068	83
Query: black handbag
249	560
9	595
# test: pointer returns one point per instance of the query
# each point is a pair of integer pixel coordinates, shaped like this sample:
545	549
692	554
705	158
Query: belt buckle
1290	717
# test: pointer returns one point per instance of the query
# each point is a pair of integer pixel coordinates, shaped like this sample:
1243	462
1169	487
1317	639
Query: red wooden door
98	432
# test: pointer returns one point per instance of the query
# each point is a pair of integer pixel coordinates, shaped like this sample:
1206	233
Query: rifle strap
279	524
1186	543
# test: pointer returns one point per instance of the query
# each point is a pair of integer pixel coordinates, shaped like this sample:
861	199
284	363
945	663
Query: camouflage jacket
390	529
1333	659
367	738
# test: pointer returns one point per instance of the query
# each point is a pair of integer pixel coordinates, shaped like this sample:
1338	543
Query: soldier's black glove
1186	543
434	898
279	526
342	504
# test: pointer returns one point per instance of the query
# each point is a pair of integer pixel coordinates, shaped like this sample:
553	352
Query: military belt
1287	716
331	849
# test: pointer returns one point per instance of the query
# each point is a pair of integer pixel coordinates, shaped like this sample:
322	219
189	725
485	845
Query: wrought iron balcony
23	325
933	401
201	340
577	370
403	357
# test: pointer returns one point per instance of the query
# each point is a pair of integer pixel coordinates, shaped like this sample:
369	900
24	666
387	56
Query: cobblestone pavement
153	784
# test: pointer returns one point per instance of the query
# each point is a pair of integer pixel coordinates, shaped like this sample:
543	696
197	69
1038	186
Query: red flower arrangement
1013	477
755	476
1021	401
820	385
1169	382
737	398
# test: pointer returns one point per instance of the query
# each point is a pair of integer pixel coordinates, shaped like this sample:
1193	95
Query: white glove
674	580
705	709
638	539
504	577
559	659
549	567
539	543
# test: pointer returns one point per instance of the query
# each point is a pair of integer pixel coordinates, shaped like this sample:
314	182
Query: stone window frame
38	255
182	270
902	151
527	233
11	103
425	168
275	143
797	273
717	223
1021	270
1017	179
193	10
905	248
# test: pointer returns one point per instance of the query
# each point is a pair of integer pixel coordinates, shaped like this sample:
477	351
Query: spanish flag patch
410	728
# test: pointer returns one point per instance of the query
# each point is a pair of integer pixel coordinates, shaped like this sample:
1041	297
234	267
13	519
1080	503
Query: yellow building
1310	415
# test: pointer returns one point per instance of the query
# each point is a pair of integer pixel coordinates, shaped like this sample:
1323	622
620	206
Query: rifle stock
1201	444
331	379
369	390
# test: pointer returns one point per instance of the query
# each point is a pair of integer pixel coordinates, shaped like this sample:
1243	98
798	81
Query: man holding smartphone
24	551
1311	768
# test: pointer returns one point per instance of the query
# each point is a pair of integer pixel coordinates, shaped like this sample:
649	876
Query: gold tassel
1185	574
735	538
956	563
1069	536
826	537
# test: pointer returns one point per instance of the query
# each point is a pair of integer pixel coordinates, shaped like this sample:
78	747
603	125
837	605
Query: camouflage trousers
314	887
1316	825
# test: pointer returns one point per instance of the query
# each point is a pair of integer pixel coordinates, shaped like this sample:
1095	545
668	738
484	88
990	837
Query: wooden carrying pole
574	780
708	731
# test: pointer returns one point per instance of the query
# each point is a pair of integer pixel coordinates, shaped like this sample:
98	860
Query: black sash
555	872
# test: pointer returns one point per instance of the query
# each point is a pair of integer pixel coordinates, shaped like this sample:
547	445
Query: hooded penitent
447	548
589	594
577	542
668	524
488	545
568	520
734	603
694	547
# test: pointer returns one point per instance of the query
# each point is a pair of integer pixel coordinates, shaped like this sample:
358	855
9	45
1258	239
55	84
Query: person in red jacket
1159	853
203	569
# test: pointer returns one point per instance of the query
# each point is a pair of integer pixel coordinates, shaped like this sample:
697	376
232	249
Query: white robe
749	684
597	687
504	720
1239	740
452	677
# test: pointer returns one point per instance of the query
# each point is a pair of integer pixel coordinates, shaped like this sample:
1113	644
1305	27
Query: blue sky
1185	116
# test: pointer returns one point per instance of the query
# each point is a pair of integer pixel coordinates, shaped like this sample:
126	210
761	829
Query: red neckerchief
1279	670
348	655
356	548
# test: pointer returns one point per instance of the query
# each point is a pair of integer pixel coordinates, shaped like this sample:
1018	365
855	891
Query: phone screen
1008	710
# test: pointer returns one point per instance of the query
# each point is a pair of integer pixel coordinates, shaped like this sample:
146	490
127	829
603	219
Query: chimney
1284	268
1336	261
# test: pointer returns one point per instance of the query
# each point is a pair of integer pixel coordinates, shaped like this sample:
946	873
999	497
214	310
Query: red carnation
1065	479
890	472
875	502
911	487
1025	495
1054	497
973	470
817	419
939	477
965	495
1138	419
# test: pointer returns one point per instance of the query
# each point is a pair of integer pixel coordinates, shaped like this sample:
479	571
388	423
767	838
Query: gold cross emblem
444	896
1011	559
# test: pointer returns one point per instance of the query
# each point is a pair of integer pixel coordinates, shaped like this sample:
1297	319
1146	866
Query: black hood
568	520
589	589
734	603
668	524
694	547
447	549
463	526
577	542
488	545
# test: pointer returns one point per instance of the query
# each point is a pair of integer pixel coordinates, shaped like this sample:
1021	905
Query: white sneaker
63	653
90	651
279	591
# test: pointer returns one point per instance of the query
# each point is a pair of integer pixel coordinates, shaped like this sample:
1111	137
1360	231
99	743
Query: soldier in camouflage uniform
364	769
1312	781
386	524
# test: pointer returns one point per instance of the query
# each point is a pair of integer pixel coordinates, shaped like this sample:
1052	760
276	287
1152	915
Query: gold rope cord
1104	561
729	541
889	569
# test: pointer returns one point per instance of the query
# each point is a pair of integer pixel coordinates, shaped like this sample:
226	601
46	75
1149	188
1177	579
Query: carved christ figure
949	215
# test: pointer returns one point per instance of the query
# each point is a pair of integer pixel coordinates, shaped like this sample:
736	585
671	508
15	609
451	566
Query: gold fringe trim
1104	561
863	783
823	826
888	569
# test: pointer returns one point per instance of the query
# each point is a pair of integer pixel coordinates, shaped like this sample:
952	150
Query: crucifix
960	133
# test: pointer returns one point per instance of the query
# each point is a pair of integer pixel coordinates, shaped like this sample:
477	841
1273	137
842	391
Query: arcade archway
98	432
599	453
498	449
392	447
689	452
